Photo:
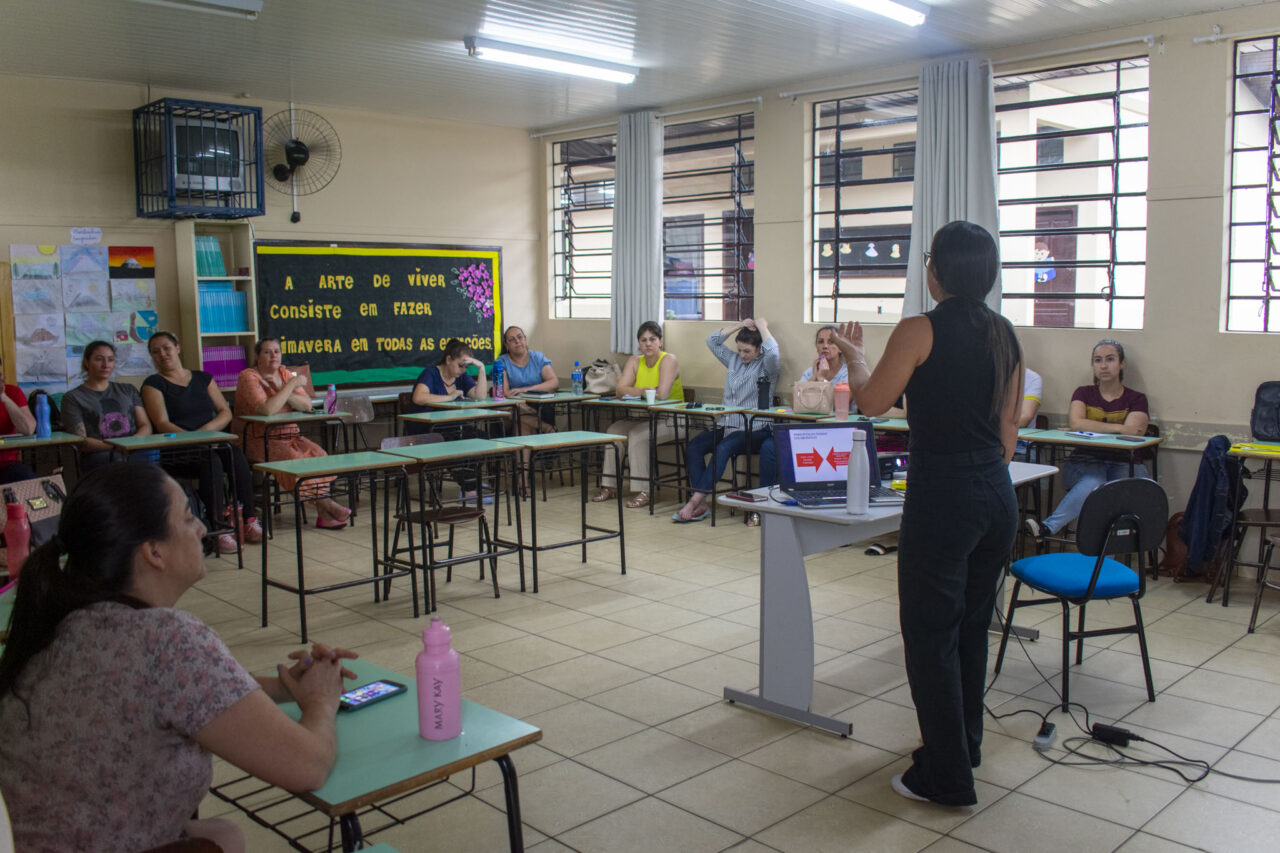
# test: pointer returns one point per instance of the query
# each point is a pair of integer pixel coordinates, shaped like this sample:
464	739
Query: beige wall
67	161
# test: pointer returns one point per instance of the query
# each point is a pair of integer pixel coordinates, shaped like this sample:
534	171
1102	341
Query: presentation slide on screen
820	455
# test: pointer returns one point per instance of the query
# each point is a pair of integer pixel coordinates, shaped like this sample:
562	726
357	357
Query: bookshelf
217	296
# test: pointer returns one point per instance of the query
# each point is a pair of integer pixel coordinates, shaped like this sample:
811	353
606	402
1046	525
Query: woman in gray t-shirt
101	409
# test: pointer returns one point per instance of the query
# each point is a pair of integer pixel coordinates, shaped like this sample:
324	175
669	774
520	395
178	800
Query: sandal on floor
606	493
325	523
875	549
751	519
640	499
675	516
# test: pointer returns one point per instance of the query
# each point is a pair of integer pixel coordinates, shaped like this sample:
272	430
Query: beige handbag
813	397
601	377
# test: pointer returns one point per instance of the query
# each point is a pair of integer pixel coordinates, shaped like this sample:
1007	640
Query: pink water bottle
439	688
17	537
842	398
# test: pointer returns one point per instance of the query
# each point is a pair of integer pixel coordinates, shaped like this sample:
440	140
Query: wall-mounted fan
302	153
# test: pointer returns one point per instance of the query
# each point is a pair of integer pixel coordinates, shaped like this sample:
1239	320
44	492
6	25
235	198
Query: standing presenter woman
962	368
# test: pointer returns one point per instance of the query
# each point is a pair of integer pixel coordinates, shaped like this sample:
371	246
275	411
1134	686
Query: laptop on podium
813	463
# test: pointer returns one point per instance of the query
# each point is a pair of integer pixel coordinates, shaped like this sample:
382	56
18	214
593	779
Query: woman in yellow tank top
653	368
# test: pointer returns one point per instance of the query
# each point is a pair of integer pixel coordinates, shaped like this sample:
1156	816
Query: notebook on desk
813	463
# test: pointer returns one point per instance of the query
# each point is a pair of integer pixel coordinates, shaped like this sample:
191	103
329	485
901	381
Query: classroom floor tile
625	673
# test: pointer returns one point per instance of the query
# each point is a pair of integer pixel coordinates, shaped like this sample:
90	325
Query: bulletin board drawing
375	312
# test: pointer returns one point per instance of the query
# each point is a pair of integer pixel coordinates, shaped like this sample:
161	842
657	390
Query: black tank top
949	394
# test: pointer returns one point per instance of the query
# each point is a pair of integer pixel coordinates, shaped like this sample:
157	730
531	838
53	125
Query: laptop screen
816	456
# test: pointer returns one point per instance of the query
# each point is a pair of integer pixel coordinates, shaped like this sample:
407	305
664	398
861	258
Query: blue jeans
701	477
1080	478
768	462
958	525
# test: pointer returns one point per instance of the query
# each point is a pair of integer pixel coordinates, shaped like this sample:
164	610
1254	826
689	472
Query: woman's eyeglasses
928	256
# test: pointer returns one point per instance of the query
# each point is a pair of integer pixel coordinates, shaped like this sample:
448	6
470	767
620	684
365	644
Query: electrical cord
1113	738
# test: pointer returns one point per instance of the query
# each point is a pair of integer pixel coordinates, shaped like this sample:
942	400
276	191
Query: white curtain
955	170
637	229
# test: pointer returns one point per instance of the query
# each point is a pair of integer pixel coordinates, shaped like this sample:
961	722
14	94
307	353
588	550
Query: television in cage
207	156
195	158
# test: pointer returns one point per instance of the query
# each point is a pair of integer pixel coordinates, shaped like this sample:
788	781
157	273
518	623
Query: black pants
958	527
210	470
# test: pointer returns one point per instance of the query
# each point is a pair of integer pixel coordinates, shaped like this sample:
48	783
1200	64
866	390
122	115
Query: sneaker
1035	529
900	788
252	530
225	543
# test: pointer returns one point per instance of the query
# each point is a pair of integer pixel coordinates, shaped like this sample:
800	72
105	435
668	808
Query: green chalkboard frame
361	254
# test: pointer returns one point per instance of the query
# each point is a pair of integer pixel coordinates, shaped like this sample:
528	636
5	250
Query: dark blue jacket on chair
1207	522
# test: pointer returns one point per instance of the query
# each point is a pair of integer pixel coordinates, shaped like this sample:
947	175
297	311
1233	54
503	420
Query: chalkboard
376	312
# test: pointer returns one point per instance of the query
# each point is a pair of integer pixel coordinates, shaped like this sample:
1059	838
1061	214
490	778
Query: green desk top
338	463
437	451
27	442
171	439
704	409
6	610
1110	442
637	403
474	413
568	438
380	752
294	417
556	397
783	413
881	424
464	403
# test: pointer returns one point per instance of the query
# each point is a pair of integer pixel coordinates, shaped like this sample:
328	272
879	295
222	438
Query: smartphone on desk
746	496
376	691
1129	438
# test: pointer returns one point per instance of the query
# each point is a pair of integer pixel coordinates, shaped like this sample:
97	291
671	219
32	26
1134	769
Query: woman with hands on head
652	368
268	388
961	366
755	356
112	699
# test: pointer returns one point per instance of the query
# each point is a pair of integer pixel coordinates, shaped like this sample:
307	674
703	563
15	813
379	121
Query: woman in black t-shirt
961	366
182	400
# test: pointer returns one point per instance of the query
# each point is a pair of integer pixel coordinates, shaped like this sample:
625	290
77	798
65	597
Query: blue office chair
1121	517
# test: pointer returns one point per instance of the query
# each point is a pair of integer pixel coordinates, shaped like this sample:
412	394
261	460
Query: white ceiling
407	56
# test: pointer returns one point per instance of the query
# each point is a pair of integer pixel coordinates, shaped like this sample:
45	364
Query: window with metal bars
1072	154
708	221
1253	239
1072	147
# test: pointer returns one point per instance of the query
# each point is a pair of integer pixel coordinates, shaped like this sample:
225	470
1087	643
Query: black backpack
1264	420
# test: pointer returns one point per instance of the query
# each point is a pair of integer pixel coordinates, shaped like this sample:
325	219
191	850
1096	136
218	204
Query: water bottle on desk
498	393
577	378
43	429
331	400
439	685
859	473
763	398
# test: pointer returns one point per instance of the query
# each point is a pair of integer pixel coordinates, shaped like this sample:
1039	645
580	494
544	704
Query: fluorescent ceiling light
557	42
902	11
549	60
247	9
